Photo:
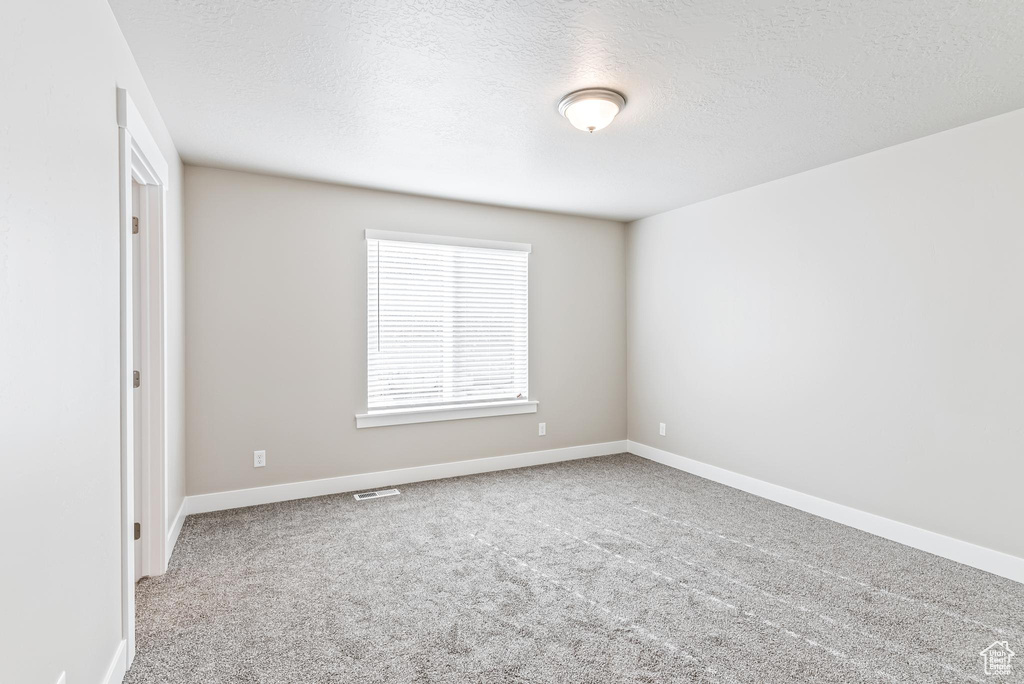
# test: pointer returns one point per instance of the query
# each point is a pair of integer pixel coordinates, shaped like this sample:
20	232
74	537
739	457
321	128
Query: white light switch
259	459
661	429
542	429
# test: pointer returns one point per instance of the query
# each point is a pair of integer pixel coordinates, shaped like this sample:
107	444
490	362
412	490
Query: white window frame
404	416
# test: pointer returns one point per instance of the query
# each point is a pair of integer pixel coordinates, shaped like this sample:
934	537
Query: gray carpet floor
611	569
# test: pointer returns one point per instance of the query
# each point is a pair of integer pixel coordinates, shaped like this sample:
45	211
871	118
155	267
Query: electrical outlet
259	459
661	429
542	429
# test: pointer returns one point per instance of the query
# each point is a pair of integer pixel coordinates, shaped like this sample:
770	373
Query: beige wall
854	332
60	512
276	314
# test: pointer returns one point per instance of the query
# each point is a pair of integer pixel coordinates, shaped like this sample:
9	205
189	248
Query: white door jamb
142	161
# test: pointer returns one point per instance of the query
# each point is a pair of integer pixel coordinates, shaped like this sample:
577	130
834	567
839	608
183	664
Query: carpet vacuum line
838	655
665	643
886	643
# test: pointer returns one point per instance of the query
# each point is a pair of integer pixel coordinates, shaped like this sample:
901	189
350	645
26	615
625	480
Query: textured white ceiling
458	98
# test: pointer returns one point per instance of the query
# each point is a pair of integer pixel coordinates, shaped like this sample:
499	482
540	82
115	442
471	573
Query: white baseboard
118	666
996	562
204	503
172	534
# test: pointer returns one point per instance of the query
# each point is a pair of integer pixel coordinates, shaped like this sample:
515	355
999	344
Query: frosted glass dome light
591	109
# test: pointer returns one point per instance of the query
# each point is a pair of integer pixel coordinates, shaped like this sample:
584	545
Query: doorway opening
143	185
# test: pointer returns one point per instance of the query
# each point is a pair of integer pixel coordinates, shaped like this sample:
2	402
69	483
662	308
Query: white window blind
446	321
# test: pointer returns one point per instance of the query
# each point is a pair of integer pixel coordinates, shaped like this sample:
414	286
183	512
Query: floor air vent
376	495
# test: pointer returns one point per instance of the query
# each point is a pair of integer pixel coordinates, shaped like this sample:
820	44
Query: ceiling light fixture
591	109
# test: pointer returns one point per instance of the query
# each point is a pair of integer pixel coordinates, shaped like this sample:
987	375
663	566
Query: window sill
437	413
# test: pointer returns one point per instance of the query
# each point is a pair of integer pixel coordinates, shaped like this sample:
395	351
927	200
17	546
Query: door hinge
135	225
136	379
138	531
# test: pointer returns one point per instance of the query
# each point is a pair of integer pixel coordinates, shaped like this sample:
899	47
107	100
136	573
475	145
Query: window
447	328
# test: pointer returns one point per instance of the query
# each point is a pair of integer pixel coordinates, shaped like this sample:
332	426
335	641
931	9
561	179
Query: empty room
563	341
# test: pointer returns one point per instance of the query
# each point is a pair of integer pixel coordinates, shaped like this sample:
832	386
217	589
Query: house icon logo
997	658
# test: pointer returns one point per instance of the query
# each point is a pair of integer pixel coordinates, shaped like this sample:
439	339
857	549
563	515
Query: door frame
140	160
